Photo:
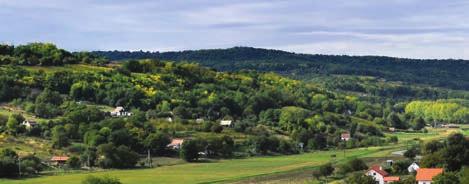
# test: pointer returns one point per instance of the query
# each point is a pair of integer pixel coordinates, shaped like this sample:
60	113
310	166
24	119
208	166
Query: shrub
100	180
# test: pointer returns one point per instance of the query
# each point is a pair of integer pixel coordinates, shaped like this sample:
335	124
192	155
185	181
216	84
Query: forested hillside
71	95
442	73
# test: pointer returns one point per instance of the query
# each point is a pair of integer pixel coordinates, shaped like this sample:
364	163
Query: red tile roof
377	169
392	178
176	142
59	158
426	174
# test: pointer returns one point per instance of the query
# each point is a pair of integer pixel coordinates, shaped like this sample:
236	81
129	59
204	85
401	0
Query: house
59	160
199	120
227	123
426	175
389	163
169	119
392	129
390	179
29	124
345	136
450	126
413	167
175	143
119	112
377	173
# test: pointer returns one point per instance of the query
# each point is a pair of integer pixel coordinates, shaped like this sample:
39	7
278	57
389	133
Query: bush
100	180
216	128
353	165
74	162
190	150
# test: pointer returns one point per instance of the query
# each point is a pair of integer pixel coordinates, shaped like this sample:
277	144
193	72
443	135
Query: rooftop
426	174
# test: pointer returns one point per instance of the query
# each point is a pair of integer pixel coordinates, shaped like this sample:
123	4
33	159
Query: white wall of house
424	182
378	177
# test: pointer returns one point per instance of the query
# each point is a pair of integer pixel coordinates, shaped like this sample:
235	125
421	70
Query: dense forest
442	73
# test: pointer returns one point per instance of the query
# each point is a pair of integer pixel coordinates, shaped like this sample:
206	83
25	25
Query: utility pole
88	159
150	162
19	166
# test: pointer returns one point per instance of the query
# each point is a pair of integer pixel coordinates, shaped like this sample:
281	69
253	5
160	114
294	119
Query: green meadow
214	172
226	171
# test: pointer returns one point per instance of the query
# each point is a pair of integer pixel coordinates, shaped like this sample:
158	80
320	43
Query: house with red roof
345	136
175	143
59	160
381	176
426	175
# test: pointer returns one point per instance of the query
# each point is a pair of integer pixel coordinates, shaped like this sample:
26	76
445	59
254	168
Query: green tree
74	162
59	137
12	124
190	150
446	178
359	178
157	142
418	123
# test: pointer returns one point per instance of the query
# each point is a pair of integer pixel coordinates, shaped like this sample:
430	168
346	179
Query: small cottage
199	120
175	144
59	160
426	175
413	167
226	123
120	112
29	124
381	176
345	136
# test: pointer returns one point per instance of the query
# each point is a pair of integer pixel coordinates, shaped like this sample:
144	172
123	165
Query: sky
399	28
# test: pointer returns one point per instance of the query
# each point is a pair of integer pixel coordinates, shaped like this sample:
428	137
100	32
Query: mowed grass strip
216	172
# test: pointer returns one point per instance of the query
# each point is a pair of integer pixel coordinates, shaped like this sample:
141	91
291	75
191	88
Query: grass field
226	171
74	67
216	172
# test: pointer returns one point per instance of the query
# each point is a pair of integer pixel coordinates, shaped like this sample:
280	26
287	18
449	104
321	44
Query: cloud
408	28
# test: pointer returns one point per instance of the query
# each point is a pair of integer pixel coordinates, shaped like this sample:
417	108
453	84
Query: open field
216	172
275	168
74	67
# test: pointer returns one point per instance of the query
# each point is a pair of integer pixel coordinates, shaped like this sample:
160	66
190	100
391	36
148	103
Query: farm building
426	175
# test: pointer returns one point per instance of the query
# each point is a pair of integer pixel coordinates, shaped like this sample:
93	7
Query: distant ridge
450	73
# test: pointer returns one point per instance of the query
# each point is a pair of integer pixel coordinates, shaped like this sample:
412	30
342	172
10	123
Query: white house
377	173
199	120
426	175
119	112
413	167
227	123
29	124
345	136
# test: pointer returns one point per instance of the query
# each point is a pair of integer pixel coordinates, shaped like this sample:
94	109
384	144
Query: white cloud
409	28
